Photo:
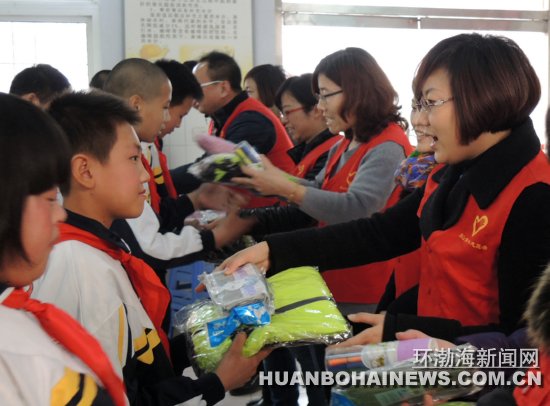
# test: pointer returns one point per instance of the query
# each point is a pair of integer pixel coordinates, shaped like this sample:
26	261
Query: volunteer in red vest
481	221
357	99
237	117
305	125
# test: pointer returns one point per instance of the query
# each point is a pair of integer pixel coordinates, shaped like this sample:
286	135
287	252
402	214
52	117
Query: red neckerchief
74	338
153	295
153	193
168	182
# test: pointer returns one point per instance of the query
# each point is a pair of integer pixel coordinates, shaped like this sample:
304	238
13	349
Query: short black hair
98	80
135	76
184	83
268	78
90	121
223	67
36	158
300	88
493	85
190	64
43	80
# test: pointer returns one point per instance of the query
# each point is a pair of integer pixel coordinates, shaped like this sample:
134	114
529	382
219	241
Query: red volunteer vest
536	395
154	197
277	155
406	271
153	295
309	161
166	177
458	265
365	283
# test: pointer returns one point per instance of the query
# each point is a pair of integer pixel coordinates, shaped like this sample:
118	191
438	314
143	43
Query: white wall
111	35
265	32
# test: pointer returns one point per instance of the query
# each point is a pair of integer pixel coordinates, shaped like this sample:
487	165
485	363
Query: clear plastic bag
203	217
192	320
368	393
217	168
305	313
221	167
246	285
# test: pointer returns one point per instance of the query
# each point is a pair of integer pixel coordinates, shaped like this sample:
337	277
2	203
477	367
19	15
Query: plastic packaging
203	217
372	394
246	285
371	356
218	168
305	313
221	167
192	320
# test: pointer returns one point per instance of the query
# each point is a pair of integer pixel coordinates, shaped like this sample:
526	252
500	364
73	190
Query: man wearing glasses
237	117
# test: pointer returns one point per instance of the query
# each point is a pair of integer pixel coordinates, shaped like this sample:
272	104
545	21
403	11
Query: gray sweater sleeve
366	195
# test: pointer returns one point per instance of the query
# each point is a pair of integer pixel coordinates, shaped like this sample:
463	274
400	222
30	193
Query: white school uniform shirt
146	227
163	246
33	367
95	289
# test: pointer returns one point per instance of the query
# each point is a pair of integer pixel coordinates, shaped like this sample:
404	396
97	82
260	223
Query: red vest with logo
365	283
311	158
277	155
458	276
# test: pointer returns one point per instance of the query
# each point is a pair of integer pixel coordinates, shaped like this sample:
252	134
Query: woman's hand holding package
372	335
230	228
257	255
271	181
216	197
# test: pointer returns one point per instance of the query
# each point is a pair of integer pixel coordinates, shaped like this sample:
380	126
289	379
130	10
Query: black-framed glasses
427	105
286	113
323	97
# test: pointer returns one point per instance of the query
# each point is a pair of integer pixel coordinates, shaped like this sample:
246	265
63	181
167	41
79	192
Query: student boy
40	84
185	90
160	240
93	277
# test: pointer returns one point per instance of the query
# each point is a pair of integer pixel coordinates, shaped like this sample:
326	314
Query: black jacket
524	248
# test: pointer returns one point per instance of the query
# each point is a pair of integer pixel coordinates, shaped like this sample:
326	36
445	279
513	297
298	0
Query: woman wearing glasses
357	99
481	222
306	126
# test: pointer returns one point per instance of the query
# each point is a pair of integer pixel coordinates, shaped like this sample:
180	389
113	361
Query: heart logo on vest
479	224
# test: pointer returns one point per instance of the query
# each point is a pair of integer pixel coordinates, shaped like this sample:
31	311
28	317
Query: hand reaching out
271	181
